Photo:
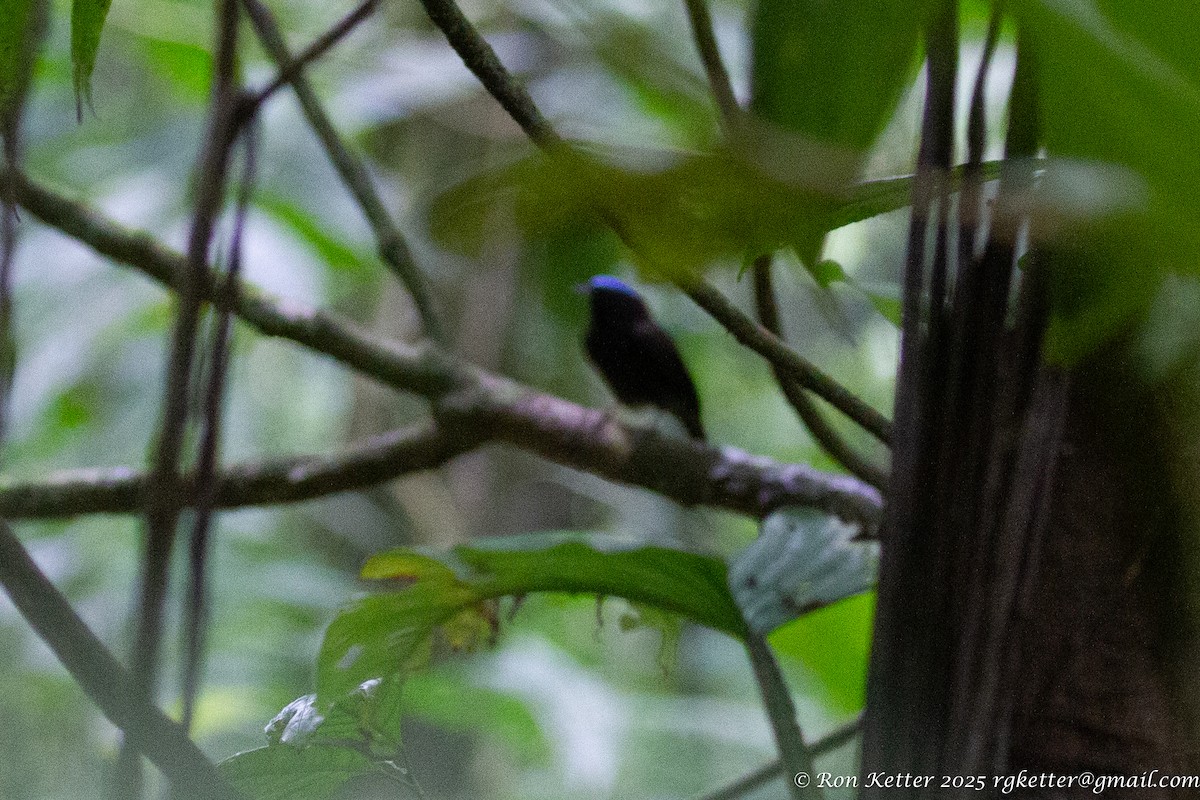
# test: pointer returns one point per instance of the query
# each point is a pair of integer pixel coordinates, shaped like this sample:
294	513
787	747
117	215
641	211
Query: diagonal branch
775	769
424	369
805	407
786	360
482	60
393	249
292	69
718	77
103	679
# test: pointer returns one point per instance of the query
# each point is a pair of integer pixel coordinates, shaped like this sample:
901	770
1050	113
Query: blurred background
567	704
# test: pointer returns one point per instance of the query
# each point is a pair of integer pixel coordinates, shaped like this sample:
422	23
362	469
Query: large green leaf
87	23
387	633
677	211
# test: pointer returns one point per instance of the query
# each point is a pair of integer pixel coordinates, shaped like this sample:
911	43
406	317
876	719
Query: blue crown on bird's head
608	283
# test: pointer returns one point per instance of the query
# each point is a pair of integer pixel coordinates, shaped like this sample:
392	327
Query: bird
637	358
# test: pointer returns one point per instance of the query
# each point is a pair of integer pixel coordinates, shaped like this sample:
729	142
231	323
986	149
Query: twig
774	769
786	360
196	608
481	59
103	679
323	44
824	433
710	55
393	249
794	754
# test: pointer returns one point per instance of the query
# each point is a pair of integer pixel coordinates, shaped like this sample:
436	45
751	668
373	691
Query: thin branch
424	369
196	608
103	679
786	360
119	490
774	769
393	249
162	508
710	55
824	433
793	752
323	44
481	59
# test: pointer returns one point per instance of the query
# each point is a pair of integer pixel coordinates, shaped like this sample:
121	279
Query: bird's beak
582	288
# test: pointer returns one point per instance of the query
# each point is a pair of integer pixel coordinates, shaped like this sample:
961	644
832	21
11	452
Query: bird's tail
695	427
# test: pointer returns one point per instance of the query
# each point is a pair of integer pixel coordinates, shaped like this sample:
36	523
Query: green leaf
285	773
87	22
310	754
20	31
388	633
831	73
677	211
1119	88
455	703
827	273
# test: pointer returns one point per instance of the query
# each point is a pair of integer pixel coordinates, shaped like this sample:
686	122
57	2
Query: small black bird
637	358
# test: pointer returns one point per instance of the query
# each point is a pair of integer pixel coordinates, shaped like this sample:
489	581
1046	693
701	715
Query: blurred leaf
314	231
454	703
87	22
187	66
384	634
1120	85
832	74
677	211
802	560
885	298
834	644
827	273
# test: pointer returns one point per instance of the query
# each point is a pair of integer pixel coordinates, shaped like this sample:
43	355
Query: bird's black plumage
637	358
